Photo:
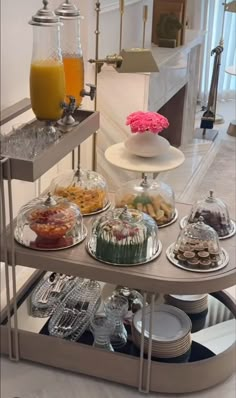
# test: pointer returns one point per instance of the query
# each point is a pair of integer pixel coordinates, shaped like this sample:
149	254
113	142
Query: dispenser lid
44	16
67	10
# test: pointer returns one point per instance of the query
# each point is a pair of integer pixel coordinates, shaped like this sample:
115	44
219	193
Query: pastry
154	205
203	255
188	255
205	264
88	200
193	262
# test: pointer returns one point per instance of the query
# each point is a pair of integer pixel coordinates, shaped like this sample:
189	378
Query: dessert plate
189	297
30	240
173	260
183	222
91	251
170	324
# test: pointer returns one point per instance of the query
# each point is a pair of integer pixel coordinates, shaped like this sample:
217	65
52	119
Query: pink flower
140	122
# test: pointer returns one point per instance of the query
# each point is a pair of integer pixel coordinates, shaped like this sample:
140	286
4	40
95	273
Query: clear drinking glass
102	328
116	308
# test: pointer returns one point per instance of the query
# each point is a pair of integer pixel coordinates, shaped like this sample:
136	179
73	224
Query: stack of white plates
171	331
191	304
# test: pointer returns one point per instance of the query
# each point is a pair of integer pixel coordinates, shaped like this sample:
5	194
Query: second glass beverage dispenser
72	54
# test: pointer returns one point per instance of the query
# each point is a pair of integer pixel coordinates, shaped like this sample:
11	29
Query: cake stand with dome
156	197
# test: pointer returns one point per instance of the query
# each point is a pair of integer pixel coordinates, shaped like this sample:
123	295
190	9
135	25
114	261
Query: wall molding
111	5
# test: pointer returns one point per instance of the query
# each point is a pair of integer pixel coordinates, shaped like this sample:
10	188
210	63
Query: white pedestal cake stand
118	156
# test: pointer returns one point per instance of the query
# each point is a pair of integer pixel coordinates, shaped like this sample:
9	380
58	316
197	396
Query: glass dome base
171	257
91	252
172	221
32	241
184	221
106	207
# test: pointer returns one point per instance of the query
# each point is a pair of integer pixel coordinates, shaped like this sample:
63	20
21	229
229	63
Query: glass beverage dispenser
47	79
72	54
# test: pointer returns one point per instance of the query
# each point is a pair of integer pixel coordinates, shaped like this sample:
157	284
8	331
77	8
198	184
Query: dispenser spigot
69	109
91	93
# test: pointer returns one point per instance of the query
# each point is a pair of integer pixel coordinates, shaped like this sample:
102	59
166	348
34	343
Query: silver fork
69	317
46	294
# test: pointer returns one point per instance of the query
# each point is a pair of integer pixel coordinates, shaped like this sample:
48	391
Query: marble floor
26	380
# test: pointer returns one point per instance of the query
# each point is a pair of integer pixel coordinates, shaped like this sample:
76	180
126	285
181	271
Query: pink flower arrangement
140	122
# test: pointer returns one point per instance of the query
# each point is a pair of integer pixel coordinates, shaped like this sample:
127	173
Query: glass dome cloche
124	237
215	214
197	248
155	198
87	189
49	223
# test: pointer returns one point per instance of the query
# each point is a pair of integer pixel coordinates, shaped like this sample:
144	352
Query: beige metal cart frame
157	276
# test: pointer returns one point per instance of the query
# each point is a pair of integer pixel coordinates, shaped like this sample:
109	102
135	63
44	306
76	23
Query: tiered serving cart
159	276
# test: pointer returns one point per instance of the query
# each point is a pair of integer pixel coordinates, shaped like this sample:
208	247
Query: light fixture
134	60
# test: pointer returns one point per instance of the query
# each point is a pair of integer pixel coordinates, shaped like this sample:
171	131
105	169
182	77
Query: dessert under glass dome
87	189
124	237
197	248
49	223
155	198
215	214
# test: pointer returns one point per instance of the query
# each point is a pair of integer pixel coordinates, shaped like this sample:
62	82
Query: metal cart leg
146	389
12	348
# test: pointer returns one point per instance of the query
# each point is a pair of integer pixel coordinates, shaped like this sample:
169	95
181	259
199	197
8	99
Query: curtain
212	13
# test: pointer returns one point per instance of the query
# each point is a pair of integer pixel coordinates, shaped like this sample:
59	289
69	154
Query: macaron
205	264
203	255
189	255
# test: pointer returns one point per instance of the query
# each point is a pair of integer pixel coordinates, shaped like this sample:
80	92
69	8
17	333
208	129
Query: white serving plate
170	324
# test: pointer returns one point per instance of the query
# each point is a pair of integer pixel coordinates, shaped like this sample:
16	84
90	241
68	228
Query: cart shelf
31	170
159	275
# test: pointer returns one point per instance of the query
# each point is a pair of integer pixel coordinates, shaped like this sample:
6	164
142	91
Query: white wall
16	37
16	47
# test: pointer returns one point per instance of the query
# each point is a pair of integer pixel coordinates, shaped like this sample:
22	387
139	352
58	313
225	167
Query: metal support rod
4	249
6	162
145	17
13	259
146	389
78	157
97	33
140	388
122	10
150	345
73	159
